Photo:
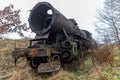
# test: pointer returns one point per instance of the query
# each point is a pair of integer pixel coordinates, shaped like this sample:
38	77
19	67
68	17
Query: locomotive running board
47	68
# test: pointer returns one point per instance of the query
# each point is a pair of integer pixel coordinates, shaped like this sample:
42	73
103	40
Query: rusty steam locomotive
58	39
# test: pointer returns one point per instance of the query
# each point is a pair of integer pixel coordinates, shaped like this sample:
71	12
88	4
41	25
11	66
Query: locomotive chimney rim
41	18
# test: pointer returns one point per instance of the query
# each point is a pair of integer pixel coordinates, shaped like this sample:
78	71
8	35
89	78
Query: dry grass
103	57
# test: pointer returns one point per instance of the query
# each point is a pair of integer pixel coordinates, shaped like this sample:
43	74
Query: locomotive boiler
58	39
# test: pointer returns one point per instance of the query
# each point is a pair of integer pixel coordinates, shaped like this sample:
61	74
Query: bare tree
108	21
10	21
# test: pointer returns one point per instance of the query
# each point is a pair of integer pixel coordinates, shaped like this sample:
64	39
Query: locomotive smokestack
44	17
41	17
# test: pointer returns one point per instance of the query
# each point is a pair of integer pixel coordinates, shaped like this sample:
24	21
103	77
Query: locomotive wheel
66	56
56	58
66	44
34	63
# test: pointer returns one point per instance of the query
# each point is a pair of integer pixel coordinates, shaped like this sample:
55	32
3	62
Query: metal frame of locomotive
58	39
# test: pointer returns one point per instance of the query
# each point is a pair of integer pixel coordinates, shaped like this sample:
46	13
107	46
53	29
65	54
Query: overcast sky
83	11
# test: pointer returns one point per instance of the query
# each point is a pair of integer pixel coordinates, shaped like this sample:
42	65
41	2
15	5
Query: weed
100	65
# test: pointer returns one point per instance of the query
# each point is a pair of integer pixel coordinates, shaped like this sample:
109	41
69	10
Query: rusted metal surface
37	52
45	36
48	67
51	66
